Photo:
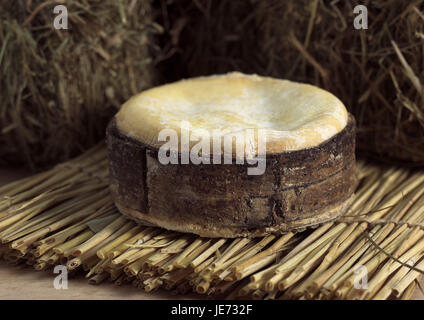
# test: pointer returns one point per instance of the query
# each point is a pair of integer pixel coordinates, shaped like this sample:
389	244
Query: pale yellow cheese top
292	115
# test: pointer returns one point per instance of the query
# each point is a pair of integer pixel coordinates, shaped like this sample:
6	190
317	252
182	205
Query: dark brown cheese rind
298	189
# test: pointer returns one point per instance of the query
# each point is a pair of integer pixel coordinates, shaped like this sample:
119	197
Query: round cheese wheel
291	115
299	138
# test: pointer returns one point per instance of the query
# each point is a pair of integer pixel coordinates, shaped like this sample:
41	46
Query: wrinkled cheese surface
291	115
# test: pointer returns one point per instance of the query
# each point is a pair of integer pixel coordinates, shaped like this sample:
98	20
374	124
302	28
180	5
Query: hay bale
378	73
59	88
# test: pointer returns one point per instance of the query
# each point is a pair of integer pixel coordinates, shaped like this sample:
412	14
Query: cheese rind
297	190
291	115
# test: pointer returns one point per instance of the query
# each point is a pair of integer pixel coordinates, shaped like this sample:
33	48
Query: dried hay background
378	73
59	88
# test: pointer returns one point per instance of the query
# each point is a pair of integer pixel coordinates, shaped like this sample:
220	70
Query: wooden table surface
28	284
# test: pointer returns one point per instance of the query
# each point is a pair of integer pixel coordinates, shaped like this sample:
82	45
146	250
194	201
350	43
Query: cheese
291	115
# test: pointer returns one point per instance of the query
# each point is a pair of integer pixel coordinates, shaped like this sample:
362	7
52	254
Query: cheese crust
309	176
299	189
291	115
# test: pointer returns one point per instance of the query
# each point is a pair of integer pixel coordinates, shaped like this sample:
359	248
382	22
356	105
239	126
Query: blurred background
60	87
